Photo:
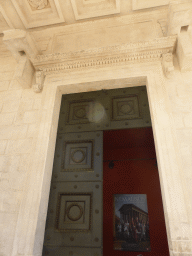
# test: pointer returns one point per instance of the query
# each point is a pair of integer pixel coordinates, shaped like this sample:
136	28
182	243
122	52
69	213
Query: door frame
30	227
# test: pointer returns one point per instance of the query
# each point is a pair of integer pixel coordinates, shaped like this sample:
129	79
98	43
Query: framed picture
131	223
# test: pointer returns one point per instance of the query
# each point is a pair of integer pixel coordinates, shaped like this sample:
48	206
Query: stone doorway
83	118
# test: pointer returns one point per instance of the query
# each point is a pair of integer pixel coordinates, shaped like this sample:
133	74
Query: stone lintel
106	56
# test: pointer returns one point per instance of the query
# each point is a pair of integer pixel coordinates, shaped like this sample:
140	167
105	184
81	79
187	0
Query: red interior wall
132	177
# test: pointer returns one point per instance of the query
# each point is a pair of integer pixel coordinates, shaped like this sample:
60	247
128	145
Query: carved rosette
38	4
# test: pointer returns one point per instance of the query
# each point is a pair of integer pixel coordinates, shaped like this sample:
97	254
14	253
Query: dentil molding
105	56
20	42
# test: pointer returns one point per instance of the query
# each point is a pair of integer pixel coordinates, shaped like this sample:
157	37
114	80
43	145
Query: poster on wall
131	223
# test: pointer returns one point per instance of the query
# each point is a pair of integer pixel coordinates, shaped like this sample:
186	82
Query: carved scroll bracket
167	63
39	77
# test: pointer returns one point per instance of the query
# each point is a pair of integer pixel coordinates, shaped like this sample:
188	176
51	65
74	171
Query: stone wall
22	117
12	165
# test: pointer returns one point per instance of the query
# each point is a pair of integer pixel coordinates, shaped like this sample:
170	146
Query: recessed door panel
79	157
74	220
105	110
75	214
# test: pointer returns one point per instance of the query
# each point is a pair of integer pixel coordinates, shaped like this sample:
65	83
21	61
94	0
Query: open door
130	168
75	213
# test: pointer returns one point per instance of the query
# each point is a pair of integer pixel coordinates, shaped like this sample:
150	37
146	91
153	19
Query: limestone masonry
53	47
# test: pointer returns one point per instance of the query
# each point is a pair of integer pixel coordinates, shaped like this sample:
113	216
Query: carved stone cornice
106	56
29	60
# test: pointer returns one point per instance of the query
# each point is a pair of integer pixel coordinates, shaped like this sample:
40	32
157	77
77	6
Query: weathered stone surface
115	52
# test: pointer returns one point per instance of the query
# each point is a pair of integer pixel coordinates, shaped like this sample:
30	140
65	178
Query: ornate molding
106	56
158	43
39	77
20	41
71	66
38	4
167	63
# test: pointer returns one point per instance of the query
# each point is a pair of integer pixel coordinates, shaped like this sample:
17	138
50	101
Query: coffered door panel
74	219
122	108
78	157
75	215
84	114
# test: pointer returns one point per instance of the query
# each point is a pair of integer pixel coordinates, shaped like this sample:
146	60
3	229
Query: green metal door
74	219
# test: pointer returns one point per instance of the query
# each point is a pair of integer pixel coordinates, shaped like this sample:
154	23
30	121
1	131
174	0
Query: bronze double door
75	219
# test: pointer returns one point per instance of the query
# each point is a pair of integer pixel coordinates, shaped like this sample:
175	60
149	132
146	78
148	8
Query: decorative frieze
101	62
106	56
20	42
135	48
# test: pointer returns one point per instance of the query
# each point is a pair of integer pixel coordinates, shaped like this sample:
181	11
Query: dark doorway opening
134	171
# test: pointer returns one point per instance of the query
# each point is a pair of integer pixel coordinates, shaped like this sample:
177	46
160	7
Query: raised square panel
125	108
78	155
35	13
75	214
117	109
79	112
129	108
84	9
142	4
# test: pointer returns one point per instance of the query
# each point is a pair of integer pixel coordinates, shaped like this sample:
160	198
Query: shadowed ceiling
34	14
